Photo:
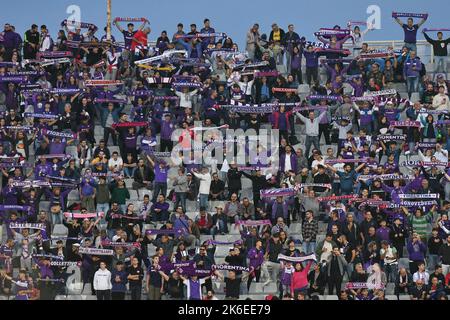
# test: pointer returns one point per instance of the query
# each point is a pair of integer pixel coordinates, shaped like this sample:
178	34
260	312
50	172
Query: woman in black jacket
317	279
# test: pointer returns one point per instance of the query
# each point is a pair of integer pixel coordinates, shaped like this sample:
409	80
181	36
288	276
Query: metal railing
424	49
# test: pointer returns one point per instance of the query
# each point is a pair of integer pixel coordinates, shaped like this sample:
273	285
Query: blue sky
232	16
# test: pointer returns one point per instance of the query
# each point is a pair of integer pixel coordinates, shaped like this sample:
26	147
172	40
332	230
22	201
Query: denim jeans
57	218
103	207
180	198
411	46
204	201
412	85
188	47
440	64
433	260
223	228
308	247
159	187
311	141
391	271
129	172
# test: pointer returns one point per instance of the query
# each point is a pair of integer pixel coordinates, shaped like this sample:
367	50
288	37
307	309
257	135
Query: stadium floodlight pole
108	25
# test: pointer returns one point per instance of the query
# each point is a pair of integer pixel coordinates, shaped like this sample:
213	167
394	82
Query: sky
235	17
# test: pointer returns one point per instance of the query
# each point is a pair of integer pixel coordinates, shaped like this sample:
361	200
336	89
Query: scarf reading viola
84	215
57	134
409	15
96	252
129	124
400	124
47	63
253	223
312	185
381	93
34	226
337	198
310	257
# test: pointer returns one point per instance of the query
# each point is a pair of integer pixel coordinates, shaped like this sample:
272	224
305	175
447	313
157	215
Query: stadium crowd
92	202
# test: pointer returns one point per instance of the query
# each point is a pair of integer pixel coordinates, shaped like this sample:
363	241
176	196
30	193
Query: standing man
410	30
46	42
292	39
128	36
207	29
310	229
135	276
139	45
312	130
102	282
440	50
31	43
252	41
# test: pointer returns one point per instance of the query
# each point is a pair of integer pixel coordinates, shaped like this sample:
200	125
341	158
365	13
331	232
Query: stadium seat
60	230
332	297
404	297
415	97
391	297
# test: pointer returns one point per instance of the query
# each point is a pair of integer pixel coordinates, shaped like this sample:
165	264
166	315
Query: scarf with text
14	79
385	177
310	257
391	137
57	134
419	196
84	215
253	223
96	252
34	226
337	198
227	267
102	83
335	161
400	124
409	15
127	19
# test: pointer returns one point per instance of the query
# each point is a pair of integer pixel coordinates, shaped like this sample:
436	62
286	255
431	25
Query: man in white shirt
205	184
115	164
102	283
46	40
441	154
421	274
312	130
441	100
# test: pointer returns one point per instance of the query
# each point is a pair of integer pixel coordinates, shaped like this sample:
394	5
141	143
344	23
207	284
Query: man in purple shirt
160	210
410	30
11	41
167	128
